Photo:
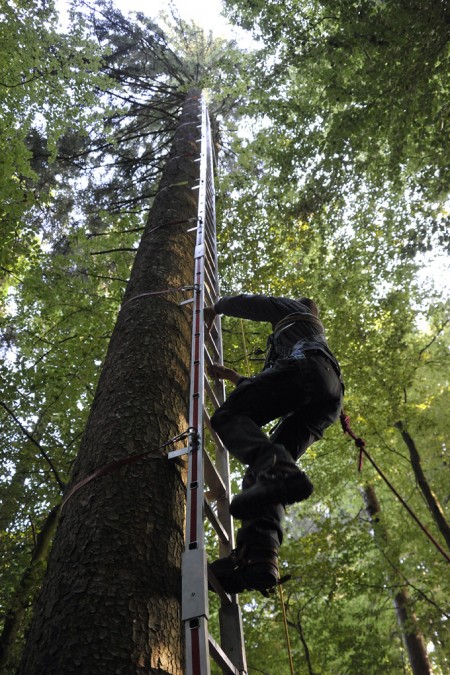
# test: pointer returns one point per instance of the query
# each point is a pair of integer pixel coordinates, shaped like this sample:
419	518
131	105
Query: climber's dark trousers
307	394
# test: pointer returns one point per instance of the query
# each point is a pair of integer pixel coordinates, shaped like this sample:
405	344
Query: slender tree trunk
430	498
412	639
110	602
299	628
27	586
411	634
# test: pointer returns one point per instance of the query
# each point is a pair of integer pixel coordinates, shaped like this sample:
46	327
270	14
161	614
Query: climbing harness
303	346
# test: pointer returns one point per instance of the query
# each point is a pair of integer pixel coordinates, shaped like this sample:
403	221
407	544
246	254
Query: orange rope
361	444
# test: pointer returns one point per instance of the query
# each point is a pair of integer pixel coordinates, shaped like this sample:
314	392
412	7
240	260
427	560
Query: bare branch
427	346
113	250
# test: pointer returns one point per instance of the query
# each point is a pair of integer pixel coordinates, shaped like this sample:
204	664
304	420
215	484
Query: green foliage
351	102
341	186
48	87
345	65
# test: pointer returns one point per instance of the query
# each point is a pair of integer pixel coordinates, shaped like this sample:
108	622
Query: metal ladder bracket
194	598
173	454
186	302
199	251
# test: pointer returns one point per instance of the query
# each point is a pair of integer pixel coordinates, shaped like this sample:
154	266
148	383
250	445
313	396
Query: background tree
412	637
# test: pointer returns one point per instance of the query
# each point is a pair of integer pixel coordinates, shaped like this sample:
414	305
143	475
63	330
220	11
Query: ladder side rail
194	564
218	387
230	616
200	645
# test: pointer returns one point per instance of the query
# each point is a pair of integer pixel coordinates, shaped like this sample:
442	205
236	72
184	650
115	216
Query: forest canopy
332	183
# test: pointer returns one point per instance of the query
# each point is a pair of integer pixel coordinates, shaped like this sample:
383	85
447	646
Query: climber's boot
278	480
247	568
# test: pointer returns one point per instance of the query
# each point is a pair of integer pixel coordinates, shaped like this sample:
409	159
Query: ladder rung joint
214	479
219	445
221	658
215	522
211	394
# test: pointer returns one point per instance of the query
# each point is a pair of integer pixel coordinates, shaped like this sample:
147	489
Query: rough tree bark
429	496
110	602
411	634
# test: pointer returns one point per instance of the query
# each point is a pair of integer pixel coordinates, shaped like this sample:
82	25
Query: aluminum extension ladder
208	488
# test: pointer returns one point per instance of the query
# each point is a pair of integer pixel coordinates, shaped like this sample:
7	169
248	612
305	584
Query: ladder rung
210	284
212	397
208	357
210	288
209	256
221	658
209	295
219	445
212	580
210	362
216	387
210	267
215	522
209	340
213	479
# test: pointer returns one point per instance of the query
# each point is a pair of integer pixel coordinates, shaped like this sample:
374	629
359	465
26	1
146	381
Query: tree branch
427	346
31	438
113	250
429	496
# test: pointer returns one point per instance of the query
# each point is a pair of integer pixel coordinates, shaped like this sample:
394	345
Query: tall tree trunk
110	602
430	498
411	634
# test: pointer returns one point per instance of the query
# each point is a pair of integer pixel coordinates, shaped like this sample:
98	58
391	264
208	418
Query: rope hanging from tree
359	442
361	445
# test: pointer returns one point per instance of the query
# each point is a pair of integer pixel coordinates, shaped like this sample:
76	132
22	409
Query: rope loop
179	289
359	442
113	466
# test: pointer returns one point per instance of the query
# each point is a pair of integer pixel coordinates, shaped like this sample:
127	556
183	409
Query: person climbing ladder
301	385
